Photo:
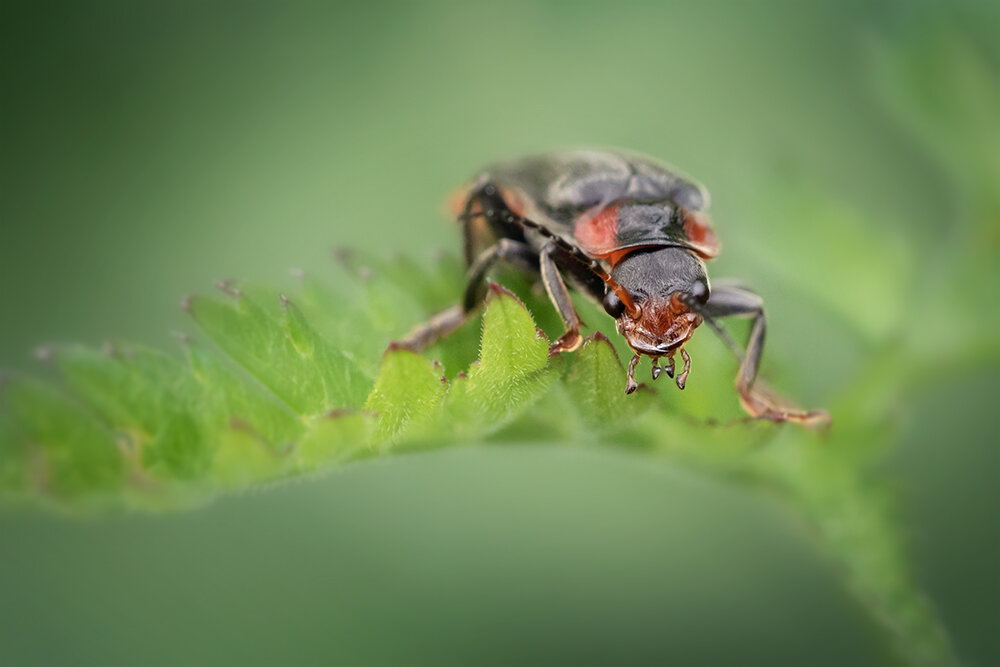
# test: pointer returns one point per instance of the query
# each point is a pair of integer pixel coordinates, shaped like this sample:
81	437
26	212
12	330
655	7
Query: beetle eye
613	305
700	292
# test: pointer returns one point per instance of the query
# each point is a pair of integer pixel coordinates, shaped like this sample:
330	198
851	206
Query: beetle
628	231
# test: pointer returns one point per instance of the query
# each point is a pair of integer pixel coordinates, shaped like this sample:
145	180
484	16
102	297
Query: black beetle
628	231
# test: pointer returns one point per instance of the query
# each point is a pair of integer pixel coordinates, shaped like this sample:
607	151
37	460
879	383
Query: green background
148	151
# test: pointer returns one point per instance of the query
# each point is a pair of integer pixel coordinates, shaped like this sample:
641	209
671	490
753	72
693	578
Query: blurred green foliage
139	429
852	152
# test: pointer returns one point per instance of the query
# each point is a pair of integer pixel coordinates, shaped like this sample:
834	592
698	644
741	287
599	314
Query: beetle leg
514	252
558	259
439	325
631	385
757	399
452	318
470	219
683	375
559	295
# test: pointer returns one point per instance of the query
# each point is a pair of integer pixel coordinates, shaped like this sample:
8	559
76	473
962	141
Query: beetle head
661	325
666	286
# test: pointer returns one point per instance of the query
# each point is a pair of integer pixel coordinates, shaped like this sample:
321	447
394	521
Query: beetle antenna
622	293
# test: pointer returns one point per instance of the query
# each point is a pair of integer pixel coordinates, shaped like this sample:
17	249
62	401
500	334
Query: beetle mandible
628	231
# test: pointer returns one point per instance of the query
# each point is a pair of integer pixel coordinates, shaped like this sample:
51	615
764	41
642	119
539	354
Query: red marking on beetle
513	201
698	229
618	255
455	203
598	234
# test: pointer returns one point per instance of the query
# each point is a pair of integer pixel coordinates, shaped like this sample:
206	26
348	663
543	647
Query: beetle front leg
559	295
758	400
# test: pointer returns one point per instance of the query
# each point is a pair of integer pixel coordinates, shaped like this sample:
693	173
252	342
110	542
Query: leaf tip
340	413
598	337
394	346
227	287
342	255
184	339
500	290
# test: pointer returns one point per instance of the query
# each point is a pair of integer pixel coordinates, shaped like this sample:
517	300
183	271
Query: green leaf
55	447
512	372
283	351
341	317
336	437
595	371
147	397
299	382
231	396
279	398
407	396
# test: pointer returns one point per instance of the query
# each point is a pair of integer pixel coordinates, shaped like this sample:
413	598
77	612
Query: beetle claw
656	368
683	376
568	342
632	385
761	402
